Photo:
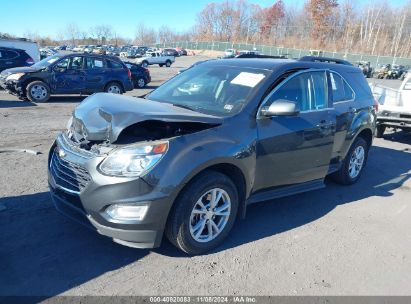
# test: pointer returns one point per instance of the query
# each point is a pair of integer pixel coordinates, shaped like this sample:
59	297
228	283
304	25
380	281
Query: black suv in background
11	57
68	74
189	158
139	75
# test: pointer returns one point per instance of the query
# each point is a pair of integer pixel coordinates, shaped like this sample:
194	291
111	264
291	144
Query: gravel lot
335	241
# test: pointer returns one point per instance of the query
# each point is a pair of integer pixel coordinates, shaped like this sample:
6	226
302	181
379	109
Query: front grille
68	175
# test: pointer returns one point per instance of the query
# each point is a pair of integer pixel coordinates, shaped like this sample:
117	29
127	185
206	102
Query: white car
229	53
155	58
394	108
79	48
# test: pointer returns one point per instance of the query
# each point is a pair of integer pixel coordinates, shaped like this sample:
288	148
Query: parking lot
340	240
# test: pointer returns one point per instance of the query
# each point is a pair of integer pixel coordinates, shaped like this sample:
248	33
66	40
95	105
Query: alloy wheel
356	162
210	215
114	89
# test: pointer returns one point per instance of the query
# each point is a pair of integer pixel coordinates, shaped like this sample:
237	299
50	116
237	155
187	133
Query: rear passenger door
342	96
96	74
296	149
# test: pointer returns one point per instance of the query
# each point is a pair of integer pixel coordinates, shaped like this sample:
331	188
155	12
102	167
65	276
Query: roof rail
325	60
260	56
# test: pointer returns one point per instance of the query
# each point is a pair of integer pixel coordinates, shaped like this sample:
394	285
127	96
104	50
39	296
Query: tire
379	131
168	63
144	64
38	91
160	65
114	88
182	225
343	176
140	83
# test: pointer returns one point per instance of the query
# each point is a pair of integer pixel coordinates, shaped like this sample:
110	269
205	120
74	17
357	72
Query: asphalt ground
340	240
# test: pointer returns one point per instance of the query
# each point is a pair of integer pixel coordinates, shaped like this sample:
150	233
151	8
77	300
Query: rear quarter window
360	85
114	65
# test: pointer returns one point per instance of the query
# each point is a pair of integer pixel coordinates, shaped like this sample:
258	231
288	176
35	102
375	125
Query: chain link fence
375	60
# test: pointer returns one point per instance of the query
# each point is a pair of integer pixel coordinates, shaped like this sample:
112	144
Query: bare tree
72	33
145	35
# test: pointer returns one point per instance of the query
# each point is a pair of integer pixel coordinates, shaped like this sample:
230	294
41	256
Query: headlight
133	160
15	76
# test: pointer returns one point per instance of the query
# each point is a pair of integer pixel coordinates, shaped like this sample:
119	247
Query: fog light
122	212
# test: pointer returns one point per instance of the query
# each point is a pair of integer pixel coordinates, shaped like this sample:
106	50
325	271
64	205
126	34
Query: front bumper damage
12	87
86	200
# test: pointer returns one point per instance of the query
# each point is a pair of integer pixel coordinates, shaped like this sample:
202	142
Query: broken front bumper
12	86
82	193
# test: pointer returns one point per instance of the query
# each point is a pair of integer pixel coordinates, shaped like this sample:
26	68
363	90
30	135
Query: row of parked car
66	73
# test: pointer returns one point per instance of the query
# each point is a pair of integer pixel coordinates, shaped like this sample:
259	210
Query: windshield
46	61
210	89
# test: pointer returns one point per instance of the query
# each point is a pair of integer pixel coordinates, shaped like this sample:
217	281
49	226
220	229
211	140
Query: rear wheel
113	87
144	64
353	164
160	65
38	91
379	131
203	214
140	83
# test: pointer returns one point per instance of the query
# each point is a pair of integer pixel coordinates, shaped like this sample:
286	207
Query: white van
30	47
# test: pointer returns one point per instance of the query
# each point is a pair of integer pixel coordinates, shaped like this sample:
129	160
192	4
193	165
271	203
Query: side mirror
281	107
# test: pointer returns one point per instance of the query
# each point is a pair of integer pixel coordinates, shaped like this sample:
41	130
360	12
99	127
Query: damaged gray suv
186	160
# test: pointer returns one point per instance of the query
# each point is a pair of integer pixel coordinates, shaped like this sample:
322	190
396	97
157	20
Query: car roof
276	64
90	55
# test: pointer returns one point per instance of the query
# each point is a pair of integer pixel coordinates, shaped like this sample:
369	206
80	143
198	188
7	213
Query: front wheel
168	63
144	64
38	91
203	214
353	164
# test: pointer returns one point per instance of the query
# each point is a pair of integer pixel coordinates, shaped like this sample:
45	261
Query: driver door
69	76
293	149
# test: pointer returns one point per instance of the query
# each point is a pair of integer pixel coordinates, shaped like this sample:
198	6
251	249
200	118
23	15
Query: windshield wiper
184	107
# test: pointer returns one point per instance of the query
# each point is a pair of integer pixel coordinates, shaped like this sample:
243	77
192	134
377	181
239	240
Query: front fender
190	154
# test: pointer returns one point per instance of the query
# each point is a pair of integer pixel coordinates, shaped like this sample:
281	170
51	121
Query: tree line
374	27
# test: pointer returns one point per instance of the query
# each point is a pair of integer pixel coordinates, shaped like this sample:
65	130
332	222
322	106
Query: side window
12	54
62	65
319	96
76	63
341	91
94	63
308	90
114	65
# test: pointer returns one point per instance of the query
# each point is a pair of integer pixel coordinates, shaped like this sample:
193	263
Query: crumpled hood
104	116
27	69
